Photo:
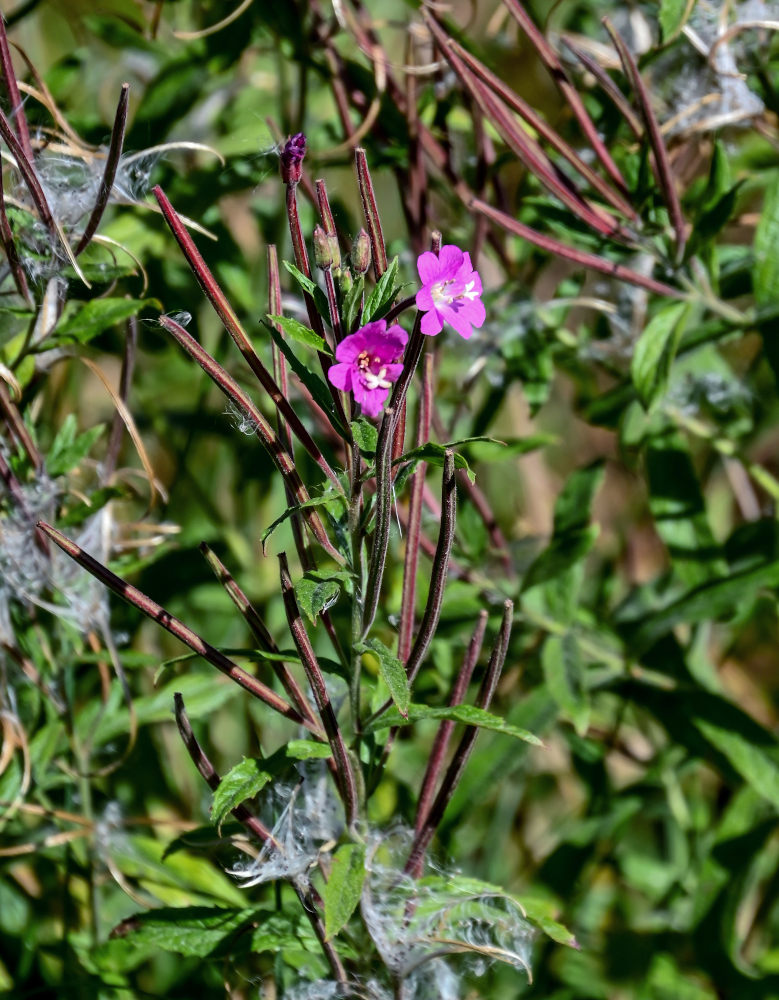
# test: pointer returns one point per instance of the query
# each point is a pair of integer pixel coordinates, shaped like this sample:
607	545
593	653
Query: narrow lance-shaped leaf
344	886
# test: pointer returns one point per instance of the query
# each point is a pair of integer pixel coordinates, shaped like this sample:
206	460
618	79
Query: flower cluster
369	359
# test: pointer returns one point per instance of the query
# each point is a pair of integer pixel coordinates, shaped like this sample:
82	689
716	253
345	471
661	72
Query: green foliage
621	490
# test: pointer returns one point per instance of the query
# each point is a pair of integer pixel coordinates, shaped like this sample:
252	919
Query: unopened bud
292	159
323	255
361	252
344	280
335	250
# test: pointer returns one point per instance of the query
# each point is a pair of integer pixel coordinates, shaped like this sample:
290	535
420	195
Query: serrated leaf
315	596
655	351
241	782
393	674
467	714
766	270
82	322
300	332
316	293
342	892
380	300
365	435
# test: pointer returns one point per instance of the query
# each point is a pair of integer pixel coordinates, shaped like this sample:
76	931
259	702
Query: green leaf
379	302
573	505
322	501
539	912
365	435
310	379
315	595
82	321
434	454
351	305
342	892
469	715
307	750
706	602
393	673
754	766
655	351
674	14
316	293
68	449
300	332
197	931
241	782
766	270
561	661
679	511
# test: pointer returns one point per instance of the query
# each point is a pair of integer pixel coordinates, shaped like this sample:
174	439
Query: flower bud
361	252
344	280
335	250
323	255
292	159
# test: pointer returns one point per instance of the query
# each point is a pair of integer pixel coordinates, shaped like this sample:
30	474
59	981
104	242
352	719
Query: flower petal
450	258
371	400
432	323
341	376
428	268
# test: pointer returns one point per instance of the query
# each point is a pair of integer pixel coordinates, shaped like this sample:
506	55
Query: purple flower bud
292	159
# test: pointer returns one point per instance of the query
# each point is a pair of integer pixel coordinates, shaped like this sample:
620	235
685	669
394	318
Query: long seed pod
257	627
263	430
443	736
176	627
381	533
414	525
371	212
661	162
555	67
305	894
109	172
230	321
346	779
455	770
435	596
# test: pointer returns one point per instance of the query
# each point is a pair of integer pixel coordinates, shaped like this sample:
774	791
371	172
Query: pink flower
451	291
369	364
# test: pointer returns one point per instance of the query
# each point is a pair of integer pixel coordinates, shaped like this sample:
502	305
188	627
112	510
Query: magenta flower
451	291
369	364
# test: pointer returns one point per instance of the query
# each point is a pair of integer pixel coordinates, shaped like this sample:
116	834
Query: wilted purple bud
361	252
323	255
292	159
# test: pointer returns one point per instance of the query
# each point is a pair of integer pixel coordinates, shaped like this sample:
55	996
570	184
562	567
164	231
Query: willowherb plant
349	415
358	366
